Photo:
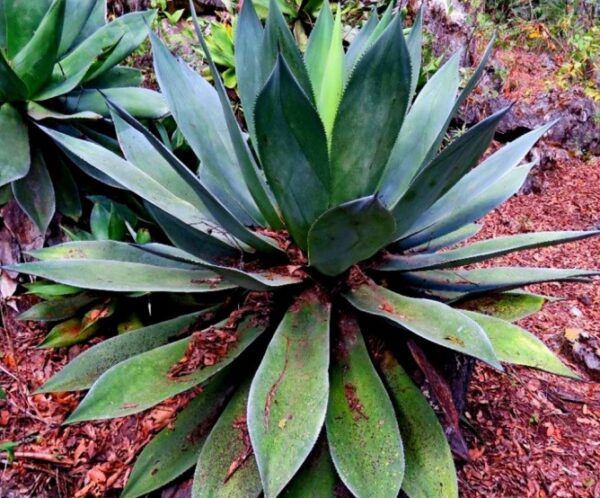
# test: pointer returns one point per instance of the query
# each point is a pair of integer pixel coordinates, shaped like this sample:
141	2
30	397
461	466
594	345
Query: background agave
321	268
54	56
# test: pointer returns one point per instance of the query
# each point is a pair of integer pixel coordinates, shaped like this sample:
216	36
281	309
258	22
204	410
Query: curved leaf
432	320
34	193
11	87
22	18
288	397
349	233
77	13
459	235
362	430
515	345
481	250
293	149
58	309
175	449
143	381
379	84
360	42
226	467
84	369
429	465
15	156
35	61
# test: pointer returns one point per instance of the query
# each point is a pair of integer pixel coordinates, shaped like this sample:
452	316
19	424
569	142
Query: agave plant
58	59
326	241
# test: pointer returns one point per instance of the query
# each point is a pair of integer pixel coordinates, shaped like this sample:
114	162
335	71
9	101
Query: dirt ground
530	434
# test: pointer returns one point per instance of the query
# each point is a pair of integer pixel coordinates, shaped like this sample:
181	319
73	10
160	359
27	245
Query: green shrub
323	238
58	62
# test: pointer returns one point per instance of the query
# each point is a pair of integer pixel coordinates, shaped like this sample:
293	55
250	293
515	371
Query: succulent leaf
15	159
283	421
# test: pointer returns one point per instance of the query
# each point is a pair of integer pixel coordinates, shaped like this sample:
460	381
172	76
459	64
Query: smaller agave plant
58	62
325	247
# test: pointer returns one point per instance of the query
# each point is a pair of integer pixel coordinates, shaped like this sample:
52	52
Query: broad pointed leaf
11	87
459	235
481	250
429	465
35	61
414	43
35	194
14	145
373	105
471	210
515	345
175	449
288	397
195	106
362	430
348	234
226	467
360	43
85	368
439	176
432	320
68	201
77	13
143	380
293	149
500	278
420	129
22	18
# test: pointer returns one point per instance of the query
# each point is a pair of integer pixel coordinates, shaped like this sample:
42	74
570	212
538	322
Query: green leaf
414	43
459	235
143	380
11	87
106	224
481	250
197	110
38	112
360	42
249	62
362	430
66	191
472	209
420	129
107	46
49	290
431	320
348	234
35	194
77	13
316	478
379	84
139	102
124	269
500	278
60	84
219	210
22	18
14	145
429	466
509	306
515	345
293	148
252	177
439	176
259	280
175	449
58	309
117	77
324	58
87	367
226	467
475	183
288	397
35	61
130	176
278	39
95	21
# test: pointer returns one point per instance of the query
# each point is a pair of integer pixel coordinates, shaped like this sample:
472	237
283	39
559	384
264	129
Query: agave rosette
58	62
333	231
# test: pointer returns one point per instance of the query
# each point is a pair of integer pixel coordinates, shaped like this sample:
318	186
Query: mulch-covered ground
532	434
